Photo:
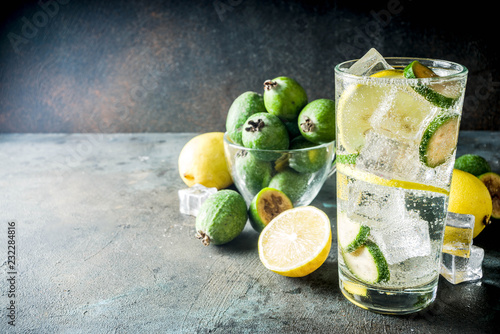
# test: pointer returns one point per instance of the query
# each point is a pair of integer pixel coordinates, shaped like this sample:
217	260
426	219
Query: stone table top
101	247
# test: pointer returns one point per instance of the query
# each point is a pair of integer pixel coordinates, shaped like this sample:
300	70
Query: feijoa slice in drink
245	105
367	263
439	140
351	234
441	95
267	204
284	97
317	121
221	218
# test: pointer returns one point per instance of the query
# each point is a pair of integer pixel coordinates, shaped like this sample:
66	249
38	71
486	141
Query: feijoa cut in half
267	204
492	182
317	121
221	218
284	97
439	140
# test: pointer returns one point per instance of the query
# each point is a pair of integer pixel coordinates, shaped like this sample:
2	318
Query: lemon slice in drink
296	242
374	179
394	108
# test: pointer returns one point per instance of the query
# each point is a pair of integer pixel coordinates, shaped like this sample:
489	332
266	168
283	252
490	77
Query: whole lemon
468	195
202	160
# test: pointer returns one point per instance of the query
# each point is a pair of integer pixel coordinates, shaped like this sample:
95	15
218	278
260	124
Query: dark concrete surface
102	248
176	65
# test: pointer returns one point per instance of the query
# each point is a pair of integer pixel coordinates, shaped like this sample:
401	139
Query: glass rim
461	69
228	141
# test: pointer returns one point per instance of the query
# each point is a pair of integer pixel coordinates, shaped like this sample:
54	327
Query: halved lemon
296	242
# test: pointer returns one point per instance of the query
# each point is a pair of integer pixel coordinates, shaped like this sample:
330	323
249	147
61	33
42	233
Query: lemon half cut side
296	242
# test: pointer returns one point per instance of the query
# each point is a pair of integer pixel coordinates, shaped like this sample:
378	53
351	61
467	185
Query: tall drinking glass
396	139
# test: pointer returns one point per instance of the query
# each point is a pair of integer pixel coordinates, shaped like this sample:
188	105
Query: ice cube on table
458	234
388	158
370	63
193	197
406	237
457	269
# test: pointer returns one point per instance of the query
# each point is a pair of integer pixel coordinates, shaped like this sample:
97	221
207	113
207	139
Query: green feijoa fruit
317	121
306	161
284	97
266	205
221	218
492	181
439	139
265	131
440	94
293	128
473	164
255	173
292	183
243	106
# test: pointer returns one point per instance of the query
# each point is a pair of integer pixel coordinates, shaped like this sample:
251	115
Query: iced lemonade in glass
397	122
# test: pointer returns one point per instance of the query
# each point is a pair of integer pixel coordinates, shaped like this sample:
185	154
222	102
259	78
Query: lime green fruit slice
266	205
368	263
439	139
351	234
440	94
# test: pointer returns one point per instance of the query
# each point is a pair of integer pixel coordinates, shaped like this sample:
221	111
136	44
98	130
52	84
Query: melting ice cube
370	63
373	205
407	237
388	158
458	234
191	198
457	269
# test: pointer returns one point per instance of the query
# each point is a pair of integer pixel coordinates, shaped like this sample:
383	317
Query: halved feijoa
221	218
266	205
351	234
317	121
439	139
367	263
442	95
245	105
492	182
284	97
